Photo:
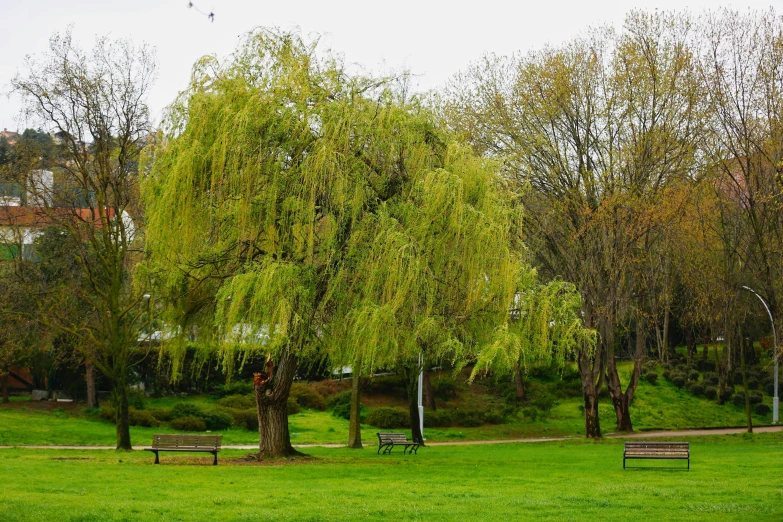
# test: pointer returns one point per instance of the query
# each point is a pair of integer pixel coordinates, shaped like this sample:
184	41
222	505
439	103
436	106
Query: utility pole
774	353
421	387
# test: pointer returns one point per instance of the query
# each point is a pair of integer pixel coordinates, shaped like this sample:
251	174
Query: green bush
696	388
342	411
711	392
726	395
467	418
216	420
651	377
392	385
234	388
532	413
388	418
307	397
107	413
444	388
761	409
678	379
650	366
544	402
438	419
186	409
247	419
343	397
238	402
756	397
293	406
693	375
753	383
142	418
162	414
189	424
667	374
136	398
711	378
739	398
494	417
769	386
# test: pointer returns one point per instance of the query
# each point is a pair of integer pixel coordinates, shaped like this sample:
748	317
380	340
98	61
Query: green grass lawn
731	478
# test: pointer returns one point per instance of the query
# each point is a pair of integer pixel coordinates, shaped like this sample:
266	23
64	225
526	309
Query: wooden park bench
191	443
387	441
657	450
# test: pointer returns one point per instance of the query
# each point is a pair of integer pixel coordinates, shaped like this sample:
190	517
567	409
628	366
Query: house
10	136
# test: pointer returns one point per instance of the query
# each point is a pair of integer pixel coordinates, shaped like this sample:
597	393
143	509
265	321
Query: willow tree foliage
297	210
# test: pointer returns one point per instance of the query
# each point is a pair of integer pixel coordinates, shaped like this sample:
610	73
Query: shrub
544	402
444	388
651	377
292	406
532	413
711	378
693	375
393	385
678	380
738	378
136	398
650	366
769	387
107	413
726	395
162	414
696	388
438	419
761	409
388	418
186	409
739	399
753	383
307	397
217	420
667	374
711	392
467	418
705	366
343	397
327	387
494	417
238	402
189	424
247	419
234	388
342	411
142	418
756	397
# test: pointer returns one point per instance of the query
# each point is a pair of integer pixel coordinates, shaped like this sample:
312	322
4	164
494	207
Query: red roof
40	217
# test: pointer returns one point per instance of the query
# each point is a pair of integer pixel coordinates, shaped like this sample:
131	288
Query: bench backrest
178	441
658	447
392	438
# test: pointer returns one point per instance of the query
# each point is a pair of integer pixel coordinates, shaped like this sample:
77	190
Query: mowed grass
731	478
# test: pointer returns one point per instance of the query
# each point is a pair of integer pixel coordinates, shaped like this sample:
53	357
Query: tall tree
95	102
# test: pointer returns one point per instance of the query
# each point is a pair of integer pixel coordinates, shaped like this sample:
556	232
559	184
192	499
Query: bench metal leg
157	461
623	462
215	462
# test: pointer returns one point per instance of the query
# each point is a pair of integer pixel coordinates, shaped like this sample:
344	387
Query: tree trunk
274	439
120	401
92	396
6	400
355	426
745	384
622	400
429	393
690	342
665	333
412	376
590	387
519	383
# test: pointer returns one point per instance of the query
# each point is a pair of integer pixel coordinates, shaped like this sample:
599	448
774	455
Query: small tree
95	104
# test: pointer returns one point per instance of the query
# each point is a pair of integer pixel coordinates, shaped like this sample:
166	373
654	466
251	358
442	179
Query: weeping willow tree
258	197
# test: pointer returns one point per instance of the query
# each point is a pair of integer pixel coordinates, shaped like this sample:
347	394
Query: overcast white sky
433	39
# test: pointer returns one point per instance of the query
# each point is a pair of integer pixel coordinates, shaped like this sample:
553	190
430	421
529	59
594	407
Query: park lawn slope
731	478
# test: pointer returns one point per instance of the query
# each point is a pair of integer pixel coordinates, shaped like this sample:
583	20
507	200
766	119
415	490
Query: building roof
18	216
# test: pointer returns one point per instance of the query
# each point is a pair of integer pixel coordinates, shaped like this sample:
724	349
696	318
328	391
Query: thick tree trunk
120	401
429	393
412	376
519	383
355	425
274	439
92	396
6	399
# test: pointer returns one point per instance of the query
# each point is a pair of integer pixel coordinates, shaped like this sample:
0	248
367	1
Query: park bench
657	450
190	443
387	441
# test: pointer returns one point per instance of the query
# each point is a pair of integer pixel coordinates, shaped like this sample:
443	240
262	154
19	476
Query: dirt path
643	435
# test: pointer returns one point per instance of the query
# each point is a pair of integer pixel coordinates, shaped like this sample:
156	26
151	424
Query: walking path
642	435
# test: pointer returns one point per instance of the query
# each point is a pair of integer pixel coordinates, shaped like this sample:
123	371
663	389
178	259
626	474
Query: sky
432	39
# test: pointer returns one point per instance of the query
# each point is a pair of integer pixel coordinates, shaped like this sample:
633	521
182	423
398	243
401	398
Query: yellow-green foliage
296	206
